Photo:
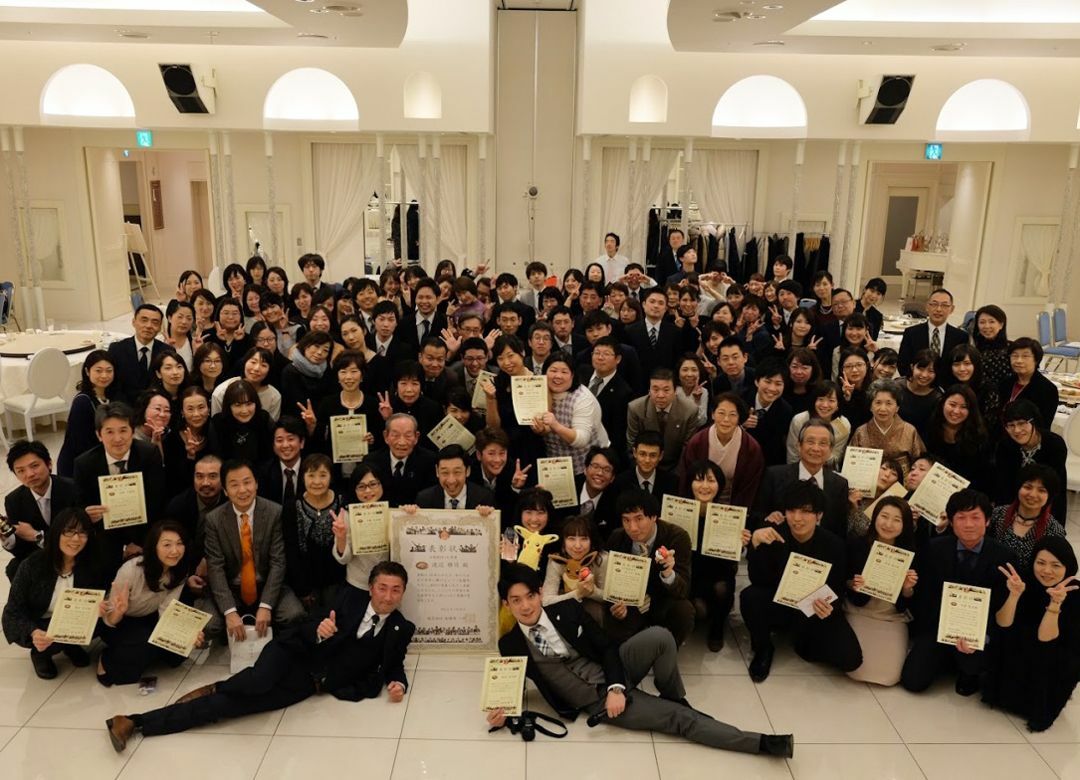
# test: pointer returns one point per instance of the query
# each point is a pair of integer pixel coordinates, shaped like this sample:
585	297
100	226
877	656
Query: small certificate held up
896	489
626	578
347	438
74	616
934	492
450	431
369	528
123	495
965	610
556	475
802	576
479	397
178	628
885	570
683	512
722	535
861	466
530	397
504	684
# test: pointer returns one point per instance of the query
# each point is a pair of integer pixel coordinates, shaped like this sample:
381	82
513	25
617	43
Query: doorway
905	216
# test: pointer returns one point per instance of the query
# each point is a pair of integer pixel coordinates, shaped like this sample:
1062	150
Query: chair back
1061	331
969	321
1071	434
214	282
7	301
48	373
1042	323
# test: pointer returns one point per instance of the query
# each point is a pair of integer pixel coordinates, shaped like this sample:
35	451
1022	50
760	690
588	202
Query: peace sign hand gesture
520	475
847	387
814	341
307	414
339	527
385	409
778	341
1013	581
777	318
1061	590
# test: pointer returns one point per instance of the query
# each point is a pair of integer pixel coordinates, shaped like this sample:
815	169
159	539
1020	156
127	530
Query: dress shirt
383	345
43	503
819	478
585	497
394	461
642	479
460	498
550	634
642	548
250	512
603	382
420	328
114	469
369	620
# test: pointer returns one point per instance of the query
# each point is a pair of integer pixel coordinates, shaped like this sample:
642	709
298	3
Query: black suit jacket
418	473
772	429
874	318
1040	391
406	329
603	512
184	508
20	507
272	481
661	483
629	368
614	399
917	338
777	479
504	494
582	633
475	495
938	564
401	348
669	346
131	379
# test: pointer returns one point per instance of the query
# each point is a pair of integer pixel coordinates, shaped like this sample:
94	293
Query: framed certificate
450	431
178	628
722	535
683	512
556	475
479	397
934	492
347	432
965	611
369	527
626	578
530	396
124	499
75	615
861	466
802	576
885	570
504	684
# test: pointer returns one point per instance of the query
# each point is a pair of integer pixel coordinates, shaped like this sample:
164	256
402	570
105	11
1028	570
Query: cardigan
749	468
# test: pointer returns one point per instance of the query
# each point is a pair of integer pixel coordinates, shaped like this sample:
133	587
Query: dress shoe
77	655
715	640
780	745
762	663
43	666
198	693
120	729
967	684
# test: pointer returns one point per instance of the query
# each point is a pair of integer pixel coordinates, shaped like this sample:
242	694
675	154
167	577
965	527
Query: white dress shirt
460	498
250	512
550	634
804	475
369	620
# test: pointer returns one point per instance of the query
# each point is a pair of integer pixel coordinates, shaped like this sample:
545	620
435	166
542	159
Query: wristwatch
40	539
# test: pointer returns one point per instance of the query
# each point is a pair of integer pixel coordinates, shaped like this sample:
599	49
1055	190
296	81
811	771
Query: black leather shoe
967	684
120	729
77	655
43	666
715	639
762	664
780	745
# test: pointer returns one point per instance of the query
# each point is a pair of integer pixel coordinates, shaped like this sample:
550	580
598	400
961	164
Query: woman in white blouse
824	403
574	423
256	368
691	385
142	590
365	484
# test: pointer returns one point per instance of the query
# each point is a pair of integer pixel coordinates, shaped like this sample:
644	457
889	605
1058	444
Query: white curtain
1037	245
345	177
614	197
651	177
453	217
724	185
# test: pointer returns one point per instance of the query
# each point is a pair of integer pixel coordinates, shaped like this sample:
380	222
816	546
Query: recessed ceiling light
949	47
746	2
341	9
726	16
773	7
769	43
311	35
135	34
754	17
305	1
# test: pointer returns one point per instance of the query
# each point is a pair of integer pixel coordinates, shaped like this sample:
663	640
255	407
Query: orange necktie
248	590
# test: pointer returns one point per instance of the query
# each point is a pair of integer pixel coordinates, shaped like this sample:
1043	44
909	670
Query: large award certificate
450	431
626	577
802	576
933	493
178	628
884	572
861	466
556	475
369	528
722	536
504	684
347	432
124	498
965	610
530	397
479	397
74	616
683	512
452	557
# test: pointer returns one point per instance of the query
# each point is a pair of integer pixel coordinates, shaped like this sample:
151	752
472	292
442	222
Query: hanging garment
732	254
799	272
749	261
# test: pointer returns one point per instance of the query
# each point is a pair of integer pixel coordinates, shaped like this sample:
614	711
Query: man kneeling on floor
352	654
578	668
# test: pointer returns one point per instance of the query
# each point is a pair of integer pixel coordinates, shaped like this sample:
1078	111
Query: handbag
246	653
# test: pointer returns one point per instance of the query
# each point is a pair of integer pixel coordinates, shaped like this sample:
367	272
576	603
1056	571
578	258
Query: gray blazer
681	425
224	557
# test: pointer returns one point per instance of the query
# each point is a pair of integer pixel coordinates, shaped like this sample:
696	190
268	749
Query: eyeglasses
74	533
938	305
1013	425
212	362
601	469
368	485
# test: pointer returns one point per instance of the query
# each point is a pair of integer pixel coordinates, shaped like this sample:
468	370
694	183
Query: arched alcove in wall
648	99
422	96
86	95
311	99
760	106
986	110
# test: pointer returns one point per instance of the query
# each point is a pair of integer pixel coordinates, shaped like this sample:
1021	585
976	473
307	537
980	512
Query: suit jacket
32	591
917	338
143	457
224	557
778	478
614	399
401	348
641	416
874	318
131	378
669	346
672	537
938	564
661	483
603	511
582	633
578	344
272	481
505	497
772	430
629	368
418	473
1040	391
475	495
21	507
184	508
406	329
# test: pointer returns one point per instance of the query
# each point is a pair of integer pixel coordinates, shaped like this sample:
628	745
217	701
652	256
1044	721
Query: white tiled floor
843	729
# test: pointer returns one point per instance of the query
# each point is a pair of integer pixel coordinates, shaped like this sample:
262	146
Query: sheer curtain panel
346	176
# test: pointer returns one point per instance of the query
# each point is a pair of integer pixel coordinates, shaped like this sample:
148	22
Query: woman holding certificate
574	423
1024	522
1034	661
366	485
141	591
525	444
67	561
881	583
577	570
348	368
898	440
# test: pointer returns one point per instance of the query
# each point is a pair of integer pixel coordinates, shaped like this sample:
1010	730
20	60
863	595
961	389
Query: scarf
306	367
1041	522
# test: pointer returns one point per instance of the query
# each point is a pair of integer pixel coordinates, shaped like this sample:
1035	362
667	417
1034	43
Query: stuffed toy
531	546
574	569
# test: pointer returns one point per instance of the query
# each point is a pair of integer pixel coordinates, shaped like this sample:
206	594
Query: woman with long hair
956	434
180	316
576	571
525	444
235	278
803	371
256	367
190	281
228	333
243	429
98	373
824	403
208	366
990	337
919	393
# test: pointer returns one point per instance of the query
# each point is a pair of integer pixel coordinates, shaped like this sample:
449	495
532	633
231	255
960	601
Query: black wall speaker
884	107
189	93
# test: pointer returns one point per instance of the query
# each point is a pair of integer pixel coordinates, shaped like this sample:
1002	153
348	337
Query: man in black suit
454	490
578	668
388	341
666	263
657	341
506	289
352	652
474	355
132	356
668	547
31	506
566	338
436	380
425	321
403	466
770	415
281	480
596	496
119	453
645	475
937	334
735	375
598	325
611	390
493	472
968	558
190	507
815	448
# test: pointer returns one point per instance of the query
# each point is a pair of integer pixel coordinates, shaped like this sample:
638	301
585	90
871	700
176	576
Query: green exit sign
144	138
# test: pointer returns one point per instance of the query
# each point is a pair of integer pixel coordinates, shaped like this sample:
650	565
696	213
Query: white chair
47	380
1071	435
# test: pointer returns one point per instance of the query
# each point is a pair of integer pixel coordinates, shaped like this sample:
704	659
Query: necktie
454	503
966	559
542	644
144	360
647	486
634	294
370	633
399	469
382	351
588	507
653	336
425	328
121	466
288	495
43	505
641	549
594	386
248	590
935	342
760	413
662	417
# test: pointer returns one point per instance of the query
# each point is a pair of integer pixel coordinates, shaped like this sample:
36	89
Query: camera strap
515	724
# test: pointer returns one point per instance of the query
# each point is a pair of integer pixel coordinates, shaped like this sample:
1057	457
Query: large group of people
696	385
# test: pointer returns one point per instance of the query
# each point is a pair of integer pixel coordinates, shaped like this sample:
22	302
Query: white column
230	203
481	200
834	225
853	186
216	196
586	192
271	198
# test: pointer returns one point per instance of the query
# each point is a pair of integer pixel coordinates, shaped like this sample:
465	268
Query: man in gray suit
674	418
245	557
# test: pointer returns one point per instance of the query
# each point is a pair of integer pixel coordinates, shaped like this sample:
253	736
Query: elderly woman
1028	440
1021	524
898	440
1025	381
738	454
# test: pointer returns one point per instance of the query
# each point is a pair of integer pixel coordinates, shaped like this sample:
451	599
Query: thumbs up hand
328	627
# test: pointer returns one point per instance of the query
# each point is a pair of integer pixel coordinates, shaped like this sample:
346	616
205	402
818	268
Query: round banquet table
17	350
